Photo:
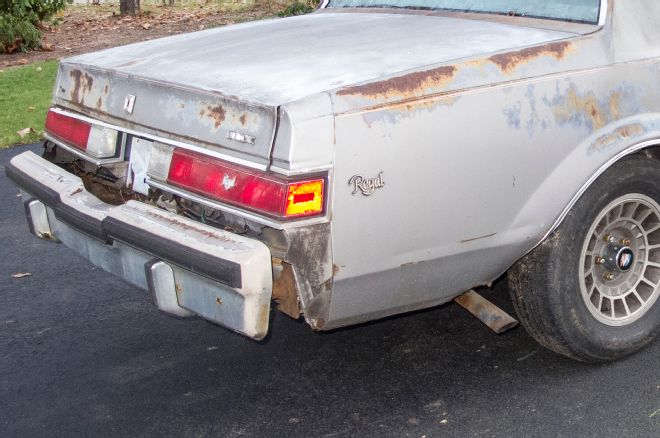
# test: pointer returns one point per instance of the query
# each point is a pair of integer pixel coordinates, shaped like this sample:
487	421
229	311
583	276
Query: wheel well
652	151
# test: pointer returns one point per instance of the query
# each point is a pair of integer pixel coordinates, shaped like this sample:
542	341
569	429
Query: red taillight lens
75	132
246	188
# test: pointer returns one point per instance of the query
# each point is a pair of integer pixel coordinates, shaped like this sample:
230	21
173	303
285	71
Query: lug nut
608	238
599	260
624	242
608	276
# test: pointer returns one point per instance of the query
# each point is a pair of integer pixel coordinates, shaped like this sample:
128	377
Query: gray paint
486	131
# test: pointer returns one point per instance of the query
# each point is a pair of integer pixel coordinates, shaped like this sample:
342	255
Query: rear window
582	11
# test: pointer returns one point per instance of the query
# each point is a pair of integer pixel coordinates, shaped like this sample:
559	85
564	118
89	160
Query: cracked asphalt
85	354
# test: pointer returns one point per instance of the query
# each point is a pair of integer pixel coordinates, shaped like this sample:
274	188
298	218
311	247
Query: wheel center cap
624	259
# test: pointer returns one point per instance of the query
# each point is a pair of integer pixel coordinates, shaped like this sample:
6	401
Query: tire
591	290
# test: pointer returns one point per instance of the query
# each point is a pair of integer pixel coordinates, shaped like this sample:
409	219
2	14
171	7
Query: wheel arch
649	148
551	202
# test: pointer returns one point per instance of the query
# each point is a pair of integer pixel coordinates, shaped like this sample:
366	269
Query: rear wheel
591	291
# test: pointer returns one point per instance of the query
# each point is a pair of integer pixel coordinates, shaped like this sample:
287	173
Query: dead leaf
47	47
21	275
146	26
30	109
25	132
19	195
39	68
22	61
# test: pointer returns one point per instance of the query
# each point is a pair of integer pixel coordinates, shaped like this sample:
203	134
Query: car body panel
452	144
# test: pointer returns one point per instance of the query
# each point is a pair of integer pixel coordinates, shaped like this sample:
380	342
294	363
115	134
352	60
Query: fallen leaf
146	26
47	47
30	109
22	61
25	132
2	71
21	275
19	195
39	68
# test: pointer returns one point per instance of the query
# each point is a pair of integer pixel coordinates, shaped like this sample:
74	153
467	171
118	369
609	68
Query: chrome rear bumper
190	268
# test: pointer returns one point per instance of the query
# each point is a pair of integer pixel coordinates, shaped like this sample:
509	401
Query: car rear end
171	188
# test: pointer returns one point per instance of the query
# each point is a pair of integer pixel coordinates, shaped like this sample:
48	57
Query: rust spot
582	104
216	113
99	103
243	119
621	133
76	191
106	89
507	62
82	84
615	105
285	292
335	269
404	86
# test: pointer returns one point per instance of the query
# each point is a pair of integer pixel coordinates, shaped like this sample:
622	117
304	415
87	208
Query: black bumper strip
198	262
70	216
221	270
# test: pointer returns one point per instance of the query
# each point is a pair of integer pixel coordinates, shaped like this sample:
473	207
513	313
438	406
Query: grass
24	101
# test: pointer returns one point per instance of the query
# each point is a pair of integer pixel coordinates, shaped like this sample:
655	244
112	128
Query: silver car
373	158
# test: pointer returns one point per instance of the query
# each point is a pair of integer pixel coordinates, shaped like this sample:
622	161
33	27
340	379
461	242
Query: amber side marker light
261	192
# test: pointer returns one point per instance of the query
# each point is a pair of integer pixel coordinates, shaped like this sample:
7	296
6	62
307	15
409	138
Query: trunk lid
221	88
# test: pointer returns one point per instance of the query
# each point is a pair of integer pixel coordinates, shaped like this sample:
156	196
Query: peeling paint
619	134
388	113
575	106
512	115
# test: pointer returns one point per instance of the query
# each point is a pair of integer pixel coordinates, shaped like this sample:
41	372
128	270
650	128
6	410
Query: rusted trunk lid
222	87
170	110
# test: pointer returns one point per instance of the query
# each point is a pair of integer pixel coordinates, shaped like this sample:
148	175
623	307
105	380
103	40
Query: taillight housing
96	140
260	192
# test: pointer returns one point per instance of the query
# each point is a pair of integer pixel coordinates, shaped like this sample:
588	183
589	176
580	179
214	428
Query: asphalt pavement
85	354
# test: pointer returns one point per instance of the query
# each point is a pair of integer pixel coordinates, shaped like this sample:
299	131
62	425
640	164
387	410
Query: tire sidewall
634	175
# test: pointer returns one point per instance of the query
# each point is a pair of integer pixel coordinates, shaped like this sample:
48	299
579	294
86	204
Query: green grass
25	95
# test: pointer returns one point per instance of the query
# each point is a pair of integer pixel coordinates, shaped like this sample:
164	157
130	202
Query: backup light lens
257	191
97	141
102	142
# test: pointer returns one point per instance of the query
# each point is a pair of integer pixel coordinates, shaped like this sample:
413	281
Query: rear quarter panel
479	161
